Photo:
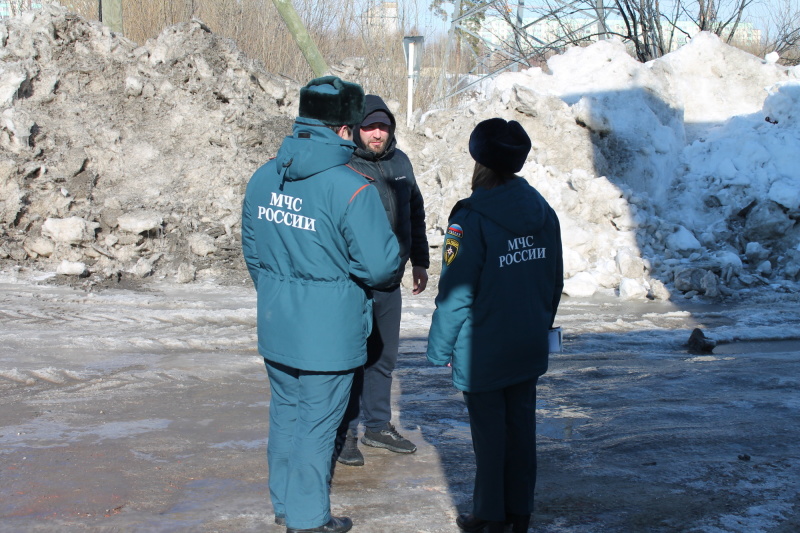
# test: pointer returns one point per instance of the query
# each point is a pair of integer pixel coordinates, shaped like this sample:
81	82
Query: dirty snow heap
677	177
118	160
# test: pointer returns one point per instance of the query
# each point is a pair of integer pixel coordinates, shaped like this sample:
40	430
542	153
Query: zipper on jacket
390	196
284	168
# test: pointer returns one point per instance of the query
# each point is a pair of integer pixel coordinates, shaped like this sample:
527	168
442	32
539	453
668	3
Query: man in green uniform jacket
315	241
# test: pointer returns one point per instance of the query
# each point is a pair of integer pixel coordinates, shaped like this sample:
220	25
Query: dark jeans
371	395
503	424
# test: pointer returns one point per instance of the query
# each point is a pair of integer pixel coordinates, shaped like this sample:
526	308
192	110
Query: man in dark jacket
314	239
378	158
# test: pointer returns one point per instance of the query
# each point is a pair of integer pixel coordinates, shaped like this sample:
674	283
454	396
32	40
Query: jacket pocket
367	317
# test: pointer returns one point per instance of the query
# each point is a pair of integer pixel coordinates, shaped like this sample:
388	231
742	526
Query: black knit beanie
332	101
499	145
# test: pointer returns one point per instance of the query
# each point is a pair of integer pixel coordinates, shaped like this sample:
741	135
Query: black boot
470	523
334	525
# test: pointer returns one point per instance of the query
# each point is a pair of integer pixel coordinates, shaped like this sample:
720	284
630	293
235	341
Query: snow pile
123	160
677	173
120	161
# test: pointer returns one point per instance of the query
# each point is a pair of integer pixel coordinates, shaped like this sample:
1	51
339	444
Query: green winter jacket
315	239
501	281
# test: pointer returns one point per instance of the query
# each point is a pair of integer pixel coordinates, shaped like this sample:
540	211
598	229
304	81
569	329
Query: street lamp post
111	15
412	47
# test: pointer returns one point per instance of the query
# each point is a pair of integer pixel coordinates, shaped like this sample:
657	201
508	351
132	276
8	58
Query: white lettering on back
277	215
521	249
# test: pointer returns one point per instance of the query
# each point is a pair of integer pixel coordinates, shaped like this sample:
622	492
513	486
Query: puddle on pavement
564	427
752	347
560	428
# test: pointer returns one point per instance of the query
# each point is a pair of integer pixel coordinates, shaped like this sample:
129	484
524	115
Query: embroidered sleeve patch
455	230
450	249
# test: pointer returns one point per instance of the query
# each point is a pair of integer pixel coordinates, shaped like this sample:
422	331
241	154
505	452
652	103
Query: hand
420	276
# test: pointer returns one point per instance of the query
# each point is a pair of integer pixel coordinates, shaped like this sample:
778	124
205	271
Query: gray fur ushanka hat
500	145
332	101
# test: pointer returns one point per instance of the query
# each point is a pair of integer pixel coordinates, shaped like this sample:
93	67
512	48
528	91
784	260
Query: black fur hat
332	101
500	145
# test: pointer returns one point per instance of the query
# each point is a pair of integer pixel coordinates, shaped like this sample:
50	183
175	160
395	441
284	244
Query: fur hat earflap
332	101
499	145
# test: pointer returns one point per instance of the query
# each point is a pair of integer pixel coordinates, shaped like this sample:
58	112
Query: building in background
381	18
14	7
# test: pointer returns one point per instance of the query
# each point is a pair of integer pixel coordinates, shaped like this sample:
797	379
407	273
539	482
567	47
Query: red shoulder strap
370	178
358	191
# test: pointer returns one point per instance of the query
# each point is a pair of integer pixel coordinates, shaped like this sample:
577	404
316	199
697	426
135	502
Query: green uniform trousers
305	410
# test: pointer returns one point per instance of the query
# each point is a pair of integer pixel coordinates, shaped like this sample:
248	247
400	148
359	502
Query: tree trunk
301	36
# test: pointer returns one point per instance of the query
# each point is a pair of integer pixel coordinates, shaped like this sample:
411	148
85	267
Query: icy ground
148	411
123	165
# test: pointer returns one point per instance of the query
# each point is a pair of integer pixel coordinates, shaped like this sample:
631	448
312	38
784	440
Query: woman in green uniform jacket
501	282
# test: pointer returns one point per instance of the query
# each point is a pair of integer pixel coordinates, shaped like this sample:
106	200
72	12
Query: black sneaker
334	525
388	438
280	520
350	455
